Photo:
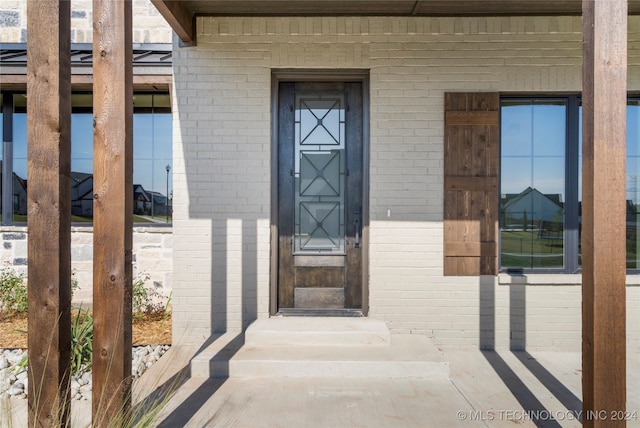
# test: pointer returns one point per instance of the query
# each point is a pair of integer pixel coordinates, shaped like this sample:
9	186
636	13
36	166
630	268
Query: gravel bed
13	371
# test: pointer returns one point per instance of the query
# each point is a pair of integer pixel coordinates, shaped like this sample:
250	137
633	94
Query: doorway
321	204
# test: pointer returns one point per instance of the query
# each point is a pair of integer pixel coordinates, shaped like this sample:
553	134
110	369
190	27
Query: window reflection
534	138
82	159
533	142
152	163
3	139
633	183
19	196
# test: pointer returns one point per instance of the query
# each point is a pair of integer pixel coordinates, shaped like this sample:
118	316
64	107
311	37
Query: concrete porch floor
491	389
484	388
323	372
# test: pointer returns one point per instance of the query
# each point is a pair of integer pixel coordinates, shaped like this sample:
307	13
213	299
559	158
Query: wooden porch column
604	211
49	210
112	209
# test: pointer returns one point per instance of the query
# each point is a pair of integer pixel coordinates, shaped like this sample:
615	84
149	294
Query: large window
2	107
633	183
541	183
152	157
152	140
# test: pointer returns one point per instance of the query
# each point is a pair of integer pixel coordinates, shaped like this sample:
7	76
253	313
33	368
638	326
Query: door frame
300	75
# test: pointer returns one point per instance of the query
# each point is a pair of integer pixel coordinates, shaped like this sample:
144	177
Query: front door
320	154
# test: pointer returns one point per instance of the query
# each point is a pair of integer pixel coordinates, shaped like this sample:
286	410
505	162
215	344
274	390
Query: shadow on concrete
555	387
518	339
159	395
537	412
188	407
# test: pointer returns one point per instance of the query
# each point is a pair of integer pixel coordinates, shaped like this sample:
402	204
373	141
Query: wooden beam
604	101
49	211
179	18
113	210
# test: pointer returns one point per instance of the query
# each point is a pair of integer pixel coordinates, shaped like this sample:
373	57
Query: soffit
385	7
180	14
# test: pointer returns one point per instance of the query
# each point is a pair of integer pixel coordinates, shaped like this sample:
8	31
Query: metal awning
15	54
180	14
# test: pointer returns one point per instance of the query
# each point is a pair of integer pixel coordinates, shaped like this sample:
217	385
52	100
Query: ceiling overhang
180	14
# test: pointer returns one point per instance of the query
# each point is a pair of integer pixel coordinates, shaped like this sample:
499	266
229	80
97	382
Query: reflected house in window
81	194
19	193
632	230
159	204
141	200
532	206
144	202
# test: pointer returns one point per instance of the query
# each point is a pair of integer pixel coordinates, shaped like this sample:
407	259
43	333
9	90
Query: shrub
13	293
145	301
81	342
140	296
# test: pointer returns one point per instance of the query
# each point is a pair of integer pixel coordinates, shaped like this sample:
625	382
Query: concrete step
316	349
406	356
318	331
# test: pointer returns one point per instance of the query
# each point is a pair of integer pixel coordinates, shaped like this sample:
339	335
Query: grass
520	249
524	249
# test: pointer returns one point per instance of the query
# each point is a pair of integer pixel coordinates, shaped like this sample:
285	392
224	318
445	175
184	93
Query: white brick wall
222	166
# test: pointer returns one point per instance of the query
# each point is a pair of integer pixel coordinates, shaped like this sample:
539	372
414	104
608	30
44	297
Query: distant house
82	194
141	200
145	202
535	205
19	195
159	203
19	190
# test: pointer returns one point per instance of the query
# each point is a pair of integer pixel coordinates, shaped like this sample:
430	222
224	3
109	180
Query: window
633	183
19	176
541	183
152	159
2	108
152	141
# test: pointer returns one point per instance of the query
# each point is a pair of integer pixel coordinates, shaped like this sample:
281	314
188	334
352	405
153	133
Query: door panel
320	195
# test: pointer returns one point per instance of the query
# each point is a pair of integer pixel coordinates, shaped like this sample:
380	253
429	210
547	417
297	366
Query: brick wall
148	24
222	167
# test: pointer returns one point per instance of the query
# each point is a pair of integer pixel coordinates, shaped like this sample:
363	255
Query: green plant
74	282
13	292
81	342
140	296
165	309
145	409
146	301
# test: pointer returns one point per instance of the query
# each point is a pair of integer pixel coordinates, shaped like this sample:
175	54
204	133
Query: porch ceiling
181	13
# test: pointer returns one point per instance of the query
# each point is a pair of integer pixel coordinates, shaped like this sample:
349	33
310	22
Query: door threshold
298	312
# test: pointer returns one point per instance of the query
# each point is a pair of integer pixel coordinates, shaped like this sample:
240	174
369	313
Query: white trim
552	279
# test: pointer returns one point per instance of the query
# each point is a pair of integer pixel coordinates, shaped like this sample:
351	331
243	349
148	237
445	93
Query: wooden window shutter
471	160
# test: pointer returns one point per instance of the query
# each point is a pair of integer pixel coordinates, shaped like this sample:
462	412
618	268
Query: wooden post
604	212
112	209
49	210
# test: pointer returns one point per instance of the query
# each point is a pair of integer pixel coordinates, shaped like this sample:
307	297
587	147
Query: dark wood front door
320	154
